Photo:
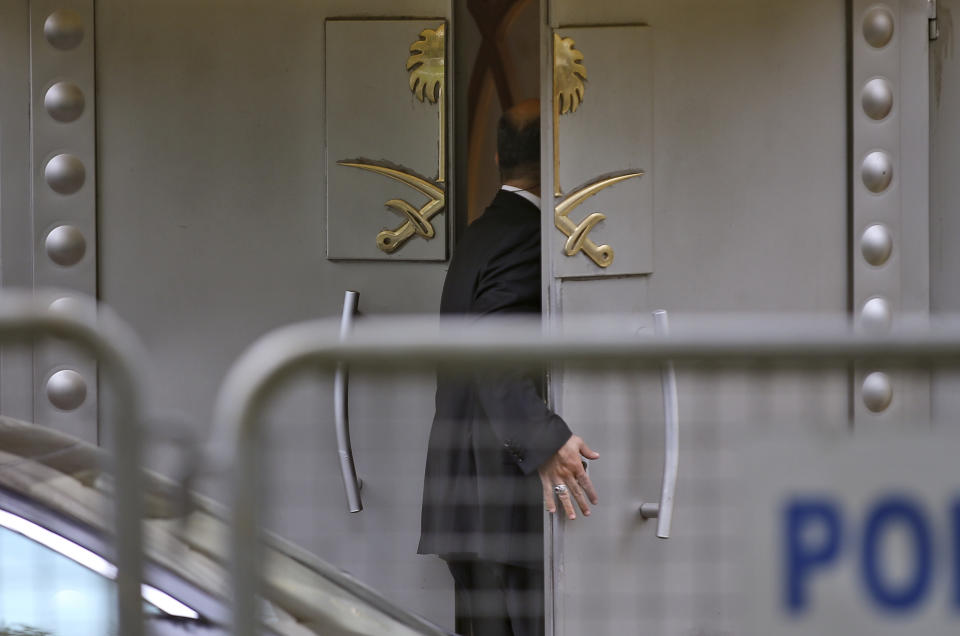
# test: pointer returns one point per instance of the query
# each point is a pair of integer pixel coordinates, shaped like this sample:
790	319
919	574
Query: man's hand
566	468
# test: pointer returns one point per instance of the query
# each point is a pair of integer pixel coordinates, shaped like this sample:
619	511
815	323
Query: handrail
97	332
341	410
663	511
278	356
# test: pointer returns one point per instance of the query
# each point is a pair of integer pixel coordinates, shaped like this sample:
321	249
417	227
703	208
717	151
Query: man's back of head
518	145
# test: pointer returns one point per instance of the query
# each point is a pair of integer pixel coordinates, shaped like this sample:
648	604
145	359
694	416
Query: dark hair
518	148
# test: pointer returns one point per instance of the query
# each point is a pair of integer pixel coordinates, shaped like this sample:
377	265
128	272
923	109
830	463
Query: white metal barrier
276	358
27	317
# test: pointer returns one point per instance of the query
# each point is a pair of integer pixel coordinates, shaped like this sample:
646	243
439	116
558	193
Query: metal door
226	209
719	157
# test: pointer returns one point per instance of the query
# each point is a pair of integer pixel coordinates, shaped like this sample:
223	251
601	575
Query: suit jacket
482	496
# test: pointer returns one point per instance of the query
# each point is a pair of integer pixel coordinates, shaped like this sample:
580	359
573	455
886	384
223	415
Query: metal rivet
877	171
65	245
878	27
65	174
876	244
876	315
877	391
66	389
877	98
64	29
64	101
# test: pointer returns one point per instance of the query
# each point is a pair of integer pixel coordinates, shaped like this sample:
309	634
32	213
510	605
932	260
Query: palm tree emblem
427	70
569	75
569	86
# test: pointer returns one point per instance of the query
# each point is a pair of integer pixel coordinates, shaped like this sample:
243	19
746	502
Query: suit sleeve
527	429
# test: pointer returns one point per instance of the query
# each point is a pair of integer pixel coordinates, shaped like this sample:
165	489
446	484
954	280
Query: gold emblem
427	78
569	75
576	233
427	69
417	220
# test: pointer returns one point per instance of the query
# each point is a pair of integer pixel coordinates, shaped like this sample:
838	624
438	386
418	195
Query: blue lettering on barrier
814	538
802	557
886	513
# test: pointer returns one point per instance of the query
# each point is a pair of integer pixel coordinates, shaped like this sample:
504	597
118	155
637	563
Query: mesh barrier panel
802	505
722	570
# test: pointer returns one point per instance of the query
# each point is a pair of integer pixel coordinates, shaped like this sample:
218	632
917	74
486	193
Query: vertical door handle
663	511
341	381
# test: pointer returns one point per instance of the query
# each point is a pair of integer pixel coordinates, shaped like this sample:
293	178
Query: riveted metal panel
373	116
63	164
889	192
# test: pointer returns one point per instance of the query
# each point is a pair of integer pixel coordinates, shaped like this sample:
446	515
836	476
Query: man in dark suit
493	435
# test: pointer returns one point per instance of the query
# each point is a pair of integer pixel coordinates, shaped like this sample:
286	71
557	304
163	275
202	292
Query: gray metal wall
16	231
945	191
211	232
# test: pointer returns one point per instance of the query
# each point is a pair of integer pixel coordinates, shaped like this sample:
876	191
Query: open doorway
498	51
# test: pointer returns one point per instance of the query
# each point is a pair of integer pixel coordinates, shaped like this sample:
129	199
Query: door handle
663	511
341	382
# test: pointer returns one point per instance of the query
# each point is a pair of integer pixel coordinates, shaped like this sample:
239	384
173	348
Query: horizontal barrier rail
596	342
27	317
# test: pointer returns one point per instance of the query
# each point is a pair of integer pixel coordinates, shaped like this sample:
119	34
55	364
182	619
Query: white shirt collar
529	196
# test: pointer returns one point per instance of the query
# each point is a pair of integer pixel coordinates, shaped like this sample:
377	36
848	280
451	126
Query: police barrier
29	317
860	534
802	540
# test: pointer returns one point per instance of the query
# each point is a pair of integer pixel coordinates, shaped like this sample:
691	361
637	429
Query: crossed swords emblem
417	221
569	85
427	79
427	69
577	233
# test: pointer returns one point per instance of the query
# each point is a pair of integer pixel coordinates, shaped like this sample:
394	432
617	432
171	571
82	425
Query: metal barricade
28	317
281	355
